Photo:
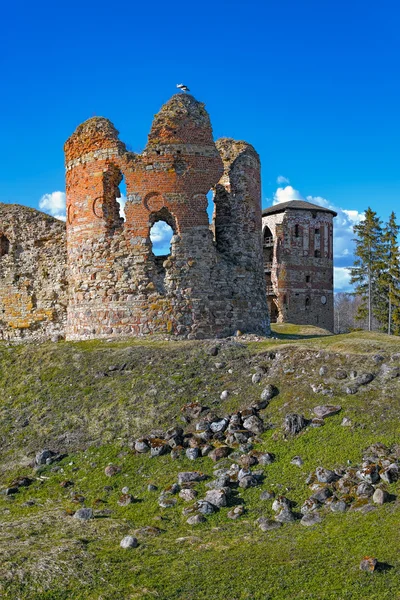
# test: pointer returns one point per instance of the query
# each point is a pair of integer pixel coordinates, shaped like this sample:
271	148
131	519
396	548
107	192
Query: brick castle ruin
97	276
298	263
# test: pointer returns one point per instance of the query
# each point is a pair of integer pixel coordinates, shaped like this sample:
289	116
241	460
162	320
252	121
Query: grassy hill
92	400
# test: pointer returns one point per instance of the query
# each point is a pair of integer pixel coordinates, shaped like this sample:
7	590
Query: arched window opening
111	206
317	254
4	245
268	249
121	198
307	303
161	235
161	232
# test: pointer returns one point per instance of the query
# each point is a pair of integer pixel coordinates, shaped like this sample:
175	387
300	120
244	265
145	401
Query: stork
183	88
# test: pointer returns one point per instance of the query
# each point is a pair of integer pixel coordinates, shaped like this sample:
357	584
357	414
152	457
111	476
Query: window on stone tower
317	232
268	247
307	303
296	231
308	278
161	232
4	245
161	235
317	254
122	198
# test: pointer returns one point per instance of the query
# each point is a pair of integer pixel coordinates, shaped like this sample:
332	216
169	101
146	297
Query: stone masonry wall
302	269
207	286
33	286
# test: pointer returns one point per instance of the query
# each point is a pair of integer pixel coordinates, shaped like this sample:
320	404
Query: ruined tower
211	284
298	263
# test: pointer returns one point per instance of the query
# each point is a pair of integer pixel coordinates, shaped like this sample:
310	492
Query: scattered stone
125	499
192	453
43	456
158	447
340	374
339	506
266	458
365	490
380	496
21	482
220	425
196	519
326	410
216	498
310	519
189	476
188	494
66	483
310	505
142	446
165	501
346	422
268	524
267	495
369	474
269	392
321	494
280	503
294	423
390	474
297	460
285	516
365	378
351	389
368	564
129	542
219	453
254	424
10	491
205	508
152	488
257	377
213	351
83	514
112	470
224	395
325	475
236	512
248	481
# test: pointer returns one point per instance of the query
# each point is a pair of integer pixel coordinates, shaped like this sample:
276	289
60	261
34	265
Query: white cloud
281	179
122	201
285	194
160	235
341	278
54	204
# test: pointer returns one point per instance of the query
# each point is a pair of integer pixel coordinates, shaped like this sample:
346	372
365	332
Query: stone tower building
212	282
298	263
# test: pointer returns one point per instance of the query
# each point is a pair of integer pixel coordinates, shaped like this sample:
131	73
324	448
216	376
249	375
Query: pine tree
389	280
368	264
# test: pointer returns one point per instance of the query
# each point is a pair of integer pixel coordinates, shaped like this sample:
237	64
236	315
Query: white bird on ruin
183	88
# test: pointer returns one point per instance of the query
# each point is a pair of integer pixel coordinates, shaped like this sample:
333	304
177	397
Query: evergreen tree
368	264
389	279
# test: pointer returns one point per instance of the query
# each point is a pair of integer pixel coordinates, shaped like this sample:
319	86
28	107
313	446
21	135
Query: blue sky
313	85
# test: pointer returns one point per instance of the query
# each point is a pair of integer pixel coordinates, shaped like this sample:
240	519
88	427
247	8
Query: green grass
52	395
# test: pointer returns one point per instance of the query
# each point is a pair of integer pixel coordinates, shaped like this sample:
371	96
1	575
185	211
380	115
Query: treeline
375	275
